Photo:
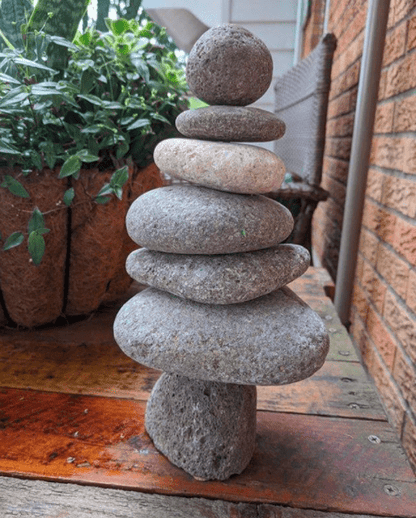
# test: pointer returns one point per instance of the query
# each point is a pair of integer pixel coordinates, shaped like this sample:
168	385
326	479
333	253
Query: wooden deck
72	439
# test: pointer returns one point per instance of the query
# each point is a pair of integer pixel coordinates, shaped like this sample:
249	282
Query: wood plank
28	498
338	389
301	461
77	367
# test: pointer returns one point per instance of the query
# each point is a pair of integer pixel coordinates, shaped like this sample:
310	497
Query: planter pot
84	261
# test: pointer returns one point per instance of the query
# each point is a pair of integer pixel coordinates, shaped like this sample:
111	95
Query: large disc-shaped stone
228	167
219	279
230	123
187	219
272	340
229	65
206	428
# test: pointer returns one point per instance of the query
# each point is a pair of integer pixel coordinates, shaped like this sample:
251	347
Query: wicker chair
301	100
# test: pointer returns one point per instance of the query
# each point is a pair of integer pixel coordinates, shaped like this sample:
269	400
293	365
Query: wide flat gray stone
272	340
229	65
219	279
228	167
206	428
230	123
187	219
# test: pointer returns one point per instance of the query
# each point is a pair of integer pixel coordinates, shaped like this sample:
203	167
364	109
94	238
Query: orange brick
336	168
374	188
349	55
360	301
388	152
369	245
383	122
409	439
411	33
336	190
395	44
401	9
401	76
359	267
394	270
401	323
346	80
341	126
409	159
341	105
387	389
405	240
404	374
411	291
382	87
357	330
373	285
400	194
382	338
379	220
405	114
338	147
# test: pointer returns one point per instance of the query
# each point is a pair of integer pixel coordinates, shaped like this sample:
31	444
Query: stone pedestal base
206	428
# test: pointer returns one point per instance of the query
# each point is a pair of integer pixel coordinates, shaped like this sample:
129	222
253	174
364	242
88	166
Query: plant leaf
36	221
139	123
70	167
36	247
102	199
120	177
69	196
14	186
85	156
13	240
105	189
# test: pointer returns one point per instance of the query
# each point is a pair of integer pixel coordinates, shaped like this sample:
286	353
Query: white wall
208	11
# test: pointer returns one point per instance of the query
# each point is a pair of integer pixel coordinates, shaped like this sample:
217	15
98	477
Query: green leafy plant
118	95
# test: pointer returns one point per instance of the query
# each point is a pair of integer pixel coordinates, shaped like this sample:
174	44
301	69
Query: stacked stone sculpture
217	318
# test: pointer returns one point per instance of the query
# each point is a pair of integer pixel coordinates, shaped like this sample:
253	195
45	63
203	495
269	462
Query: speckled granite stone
272	340
229	65
187	219
219	279
230	123
227	167
206	428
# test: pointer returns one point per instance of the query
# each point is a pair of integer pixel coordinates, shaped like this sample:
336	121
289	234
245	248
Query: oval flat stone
187	219
229	65
230	123
228	167
272	340
219	279
206	428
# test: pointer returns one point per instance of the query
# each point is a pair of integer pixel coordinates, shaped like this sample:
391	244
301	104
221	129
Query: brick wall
384	301
313	26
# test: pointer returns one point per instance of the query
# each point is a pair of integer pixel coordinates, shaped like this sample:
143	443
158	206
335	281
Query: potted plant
76	141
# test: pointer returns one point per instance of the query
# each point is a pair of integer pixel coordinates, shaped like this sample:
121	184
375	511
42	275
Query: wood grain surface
72	411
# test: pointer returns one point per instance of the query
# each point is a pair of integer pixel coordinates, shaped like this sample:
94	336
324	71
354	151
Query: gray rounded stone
230	123
187	219
229	65
219	279
227	167
206	428
272	340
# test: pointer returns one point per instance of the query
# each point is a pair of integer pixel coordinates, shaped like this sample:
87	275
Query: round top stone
228	65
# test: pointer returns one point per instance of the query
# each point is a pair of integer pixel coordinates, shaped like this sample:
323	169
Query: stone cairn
217	317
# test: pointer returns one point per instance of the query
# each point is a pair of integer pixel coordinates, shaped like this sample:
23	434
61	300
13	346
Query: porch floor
72	438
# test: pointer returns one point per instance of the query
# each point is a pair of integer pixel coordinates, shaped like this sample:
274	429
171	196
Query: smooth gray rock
272	340
229	65
219	279
206	428
230	123
187	219
227	167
